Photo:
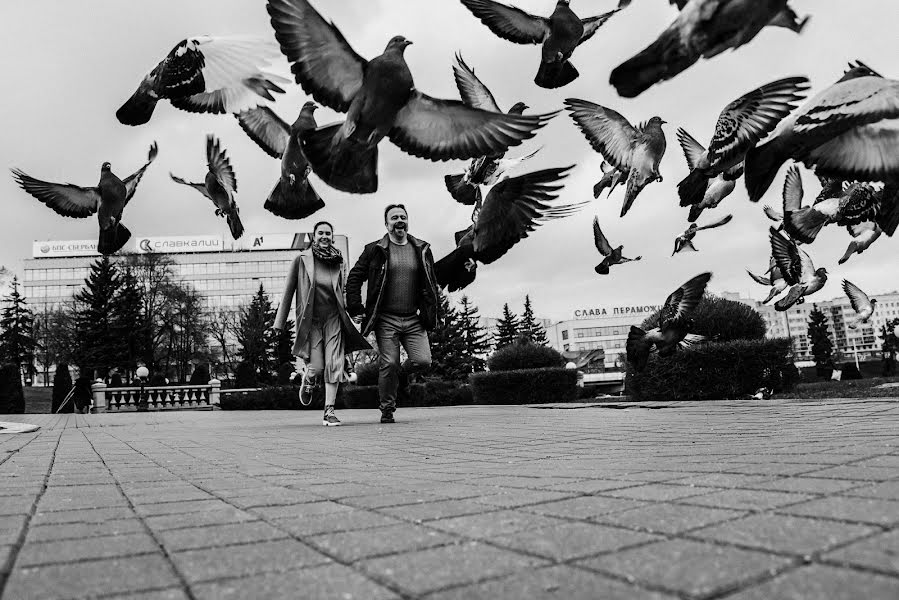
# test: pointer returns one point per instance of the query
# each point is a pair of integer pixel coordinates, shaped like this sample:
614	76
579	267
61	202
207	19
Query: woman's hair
322	223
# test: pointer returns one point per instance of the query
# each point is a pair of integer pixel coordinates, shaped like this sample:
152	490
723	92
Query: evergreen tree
447	340
507	329
99	341
62	384
477	342
130	321
822	347
283	350
17	343
256	336
529	327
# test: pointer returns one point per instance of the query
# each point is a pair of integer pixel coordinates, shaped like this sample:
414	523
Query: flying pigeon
512	208
861	304
219	186
611	177
611	256
703	28
674	324
208	74
107	200
856	204
797	269
484	170
775	281
559	34
636	152
786	18
293	197
380	99
684	242
850	131
863	235
740	126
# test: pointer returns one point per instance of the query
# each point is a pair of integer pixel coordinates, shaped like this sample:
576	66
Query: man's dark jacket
372	267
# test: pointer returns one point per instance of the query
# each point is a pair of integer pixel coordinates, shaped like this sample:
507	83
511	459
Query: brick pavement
737	500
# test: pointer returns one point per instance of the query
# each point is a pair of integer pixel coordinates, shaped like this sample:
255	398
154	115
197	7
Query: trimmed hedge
525	356
524	386
715	371
12	396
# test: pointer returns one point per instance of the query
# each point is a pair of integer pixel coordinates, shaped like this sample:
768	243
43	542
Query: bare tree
223	329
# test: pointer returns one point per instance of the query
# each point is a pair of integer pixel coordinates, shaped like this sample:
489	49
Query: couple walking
400	307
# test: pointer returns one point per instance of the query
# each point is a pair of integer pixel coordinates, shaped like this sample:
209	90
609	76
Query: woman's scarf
328	255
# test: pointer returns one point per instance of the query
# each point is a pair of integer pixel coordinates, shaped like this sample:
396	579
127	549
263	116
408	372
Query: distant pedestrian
401	301
325	331
83	395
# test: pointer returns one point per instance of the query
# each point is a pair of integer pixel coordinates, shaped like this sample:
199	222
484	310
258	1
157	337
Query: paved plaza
750	500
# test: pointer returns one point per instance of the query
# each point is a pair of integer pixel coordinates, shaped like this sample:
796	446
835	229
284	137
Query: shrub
270	398
524	356
438	393
245	375
367	373
358	396
524	386
12	397
200	376
284	373
721	320
715	370
62	385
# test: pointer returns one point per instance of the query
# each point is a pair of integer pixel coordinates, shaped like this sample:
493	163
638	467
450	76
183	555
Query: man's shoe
307	385
387	416
330	420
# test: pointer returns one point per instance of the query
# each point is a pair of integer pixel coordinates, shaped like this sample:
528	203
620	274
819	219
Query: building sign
181	243
273	241
51	249
614	311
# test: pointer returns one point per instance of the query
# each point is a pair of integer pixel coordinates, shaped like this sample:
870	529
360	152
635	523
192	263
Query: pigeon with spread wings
702	29
219	186
797	268
484	170
849	130
775	280
740	126
861	304
684	242
293	197
611	256
634	151
512	208
208	74
559	34
674	324
863	235
380	99
108	200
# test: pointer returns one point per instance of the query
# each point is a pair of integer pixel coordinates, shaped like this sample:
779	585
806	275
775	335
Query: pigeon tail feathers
285	203
761	166
692	189
339	162
695	212
663	59
552	75
462	191
234	224
602	268
113	239
137	110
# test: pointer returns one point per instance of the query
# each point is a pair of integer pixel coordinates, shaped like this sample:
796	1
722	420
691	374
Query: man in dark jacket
401	301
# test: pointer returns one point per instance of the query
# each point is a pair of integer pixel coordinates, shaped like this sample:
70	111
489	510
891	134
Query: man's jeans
391	331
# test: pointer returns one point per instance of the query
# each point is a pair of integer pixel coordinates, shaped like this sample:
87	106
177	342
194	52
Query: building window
565	335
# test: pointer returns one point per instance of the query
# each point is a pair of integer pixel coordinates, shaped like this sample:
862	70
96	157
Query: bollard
215	400
98	391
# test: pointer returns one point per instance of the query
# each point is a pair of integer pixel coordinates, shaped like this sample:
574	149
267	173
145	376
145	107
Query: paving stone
344	521
436	510
62	551
687	567
65	531
593	486
863	510
173	508
218	535
573	540
6	554
880	552
816	582
660	492
781	533
492	524
222	516
584	507
888	490
551	583
388	500
351	546
16	505
512	499
316	583
11	527
805	485
246	559
668	518
436	568
91	578
308	509
169	594
857	472
89	515
746	499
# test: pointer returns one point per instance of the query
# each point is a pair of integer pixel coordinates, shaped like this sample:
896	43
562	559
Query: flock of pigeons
848	134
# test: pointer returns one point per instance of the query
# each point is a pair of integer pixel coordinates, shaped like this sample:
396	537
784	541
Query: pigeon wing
444	129
64	198
265	128
219	164
608	132
857	298
692	149
792	192
849	103
773	214
752	116
787	257
592	24
508	22
513	208
758	278
722	221
322	60
474	93
200	187
132	180
599	240
867	153
681	302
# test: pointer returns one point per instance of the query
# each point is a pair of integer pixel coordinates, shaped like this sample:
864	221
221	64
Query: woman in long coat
325	331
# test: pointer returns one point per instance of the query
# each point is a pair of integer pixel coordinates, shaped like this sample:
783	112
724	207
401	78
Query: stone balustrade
168	397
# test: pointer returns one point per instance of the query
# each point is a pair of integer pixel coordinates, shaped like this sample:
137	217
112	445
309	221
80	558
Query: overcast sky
70	64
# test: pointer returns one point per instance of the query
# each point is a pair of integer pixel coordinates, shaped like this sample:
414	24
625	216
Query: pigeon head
821	272
105	167
657	121
873	301
397	43
518	108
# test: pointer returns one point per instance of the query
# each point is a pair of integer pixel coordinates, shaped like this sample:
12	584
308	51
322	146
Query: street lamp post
143	403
